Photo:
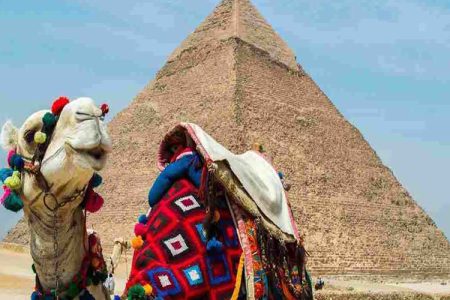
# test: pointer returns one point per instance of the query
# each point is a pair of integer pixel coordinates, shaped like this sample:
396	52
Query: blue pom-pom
214	245
17	162
142	219
35	296
116	297
5	173
96	180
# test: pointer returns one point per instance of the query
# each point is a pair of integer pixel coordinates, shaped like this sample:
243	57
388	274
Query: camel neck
70	236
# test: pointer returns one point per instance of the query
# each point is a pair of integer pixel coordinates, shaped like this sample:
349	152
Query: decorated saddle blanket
173	259
255	173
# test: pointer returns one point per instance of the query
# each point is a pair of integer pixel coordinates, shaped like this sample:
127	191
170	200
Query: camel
120	248
77	148
228	237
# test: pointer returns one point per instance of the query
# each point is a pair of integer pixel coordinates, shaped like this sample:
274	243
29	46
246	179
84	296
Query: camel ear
9	136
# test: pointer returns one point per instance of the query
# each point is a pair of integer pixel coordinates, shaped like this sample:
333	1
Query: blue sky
385	65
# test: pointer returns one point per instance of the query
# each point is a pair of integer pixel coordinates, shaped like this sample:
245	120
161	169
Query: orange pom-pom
95	262
148	289
59	105
137	242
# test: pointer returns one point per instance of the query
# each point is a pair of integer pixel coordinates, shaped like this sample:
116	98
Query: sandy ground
436	287
17	280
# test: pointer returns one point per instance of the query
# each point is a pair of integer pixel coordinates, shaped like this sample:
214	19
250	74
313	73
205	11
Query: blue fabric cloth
186	167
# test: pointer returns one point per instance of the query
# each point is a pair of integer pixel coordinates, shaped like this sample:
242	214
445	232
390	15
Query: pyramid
236	78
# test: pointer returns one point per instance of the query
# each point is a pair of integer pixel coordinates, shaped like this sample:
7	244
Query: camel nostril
97	153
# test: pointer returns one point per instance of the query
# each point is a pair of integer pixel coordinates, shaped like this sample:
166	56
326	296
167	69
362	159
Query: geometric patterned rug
174	260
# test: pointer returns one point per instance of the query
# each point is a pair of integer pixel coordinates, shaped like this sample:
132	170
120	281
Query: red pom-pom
139	229
59	104
93	201
105	108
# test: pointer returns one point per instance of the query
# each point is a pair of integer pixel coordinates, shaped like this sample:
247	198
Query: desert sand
17	280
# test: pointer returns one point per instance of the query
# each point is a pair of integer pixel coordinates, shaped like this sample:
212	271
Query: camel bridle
33	167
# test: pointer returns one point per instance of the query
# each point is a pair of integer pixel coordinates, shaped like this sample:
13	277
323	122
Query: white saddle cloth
257	176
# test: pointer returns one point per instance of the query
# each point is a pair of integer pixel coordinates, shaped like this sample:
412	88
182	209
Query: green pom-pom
73	290
13	202
136	292
49	120
33	268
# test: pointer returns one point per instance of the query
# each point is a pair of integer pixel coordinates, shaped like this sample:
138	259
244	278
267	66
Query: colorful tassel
142	219
17	162
148	289
5	173
93	201
96	180
40	137
49	120
105	108
13	202
11	153
137	242
139	229
136	292
59	105
13	182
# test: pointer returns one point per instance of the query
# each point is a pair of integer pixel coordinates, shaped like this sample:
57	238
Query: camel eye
29	136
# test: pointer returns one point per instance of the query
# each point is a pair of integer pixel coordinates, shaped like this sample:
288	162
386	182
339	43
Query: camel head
78	146
62	151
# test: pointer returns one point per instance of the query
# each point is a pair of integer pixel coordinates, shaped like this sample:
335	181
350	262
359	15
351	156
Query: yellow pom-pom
216	216
148	289
40	137
137	242
13	182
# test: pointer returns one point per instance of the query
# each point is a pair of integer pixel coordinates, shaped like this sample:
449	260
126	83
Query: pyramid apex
239	19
